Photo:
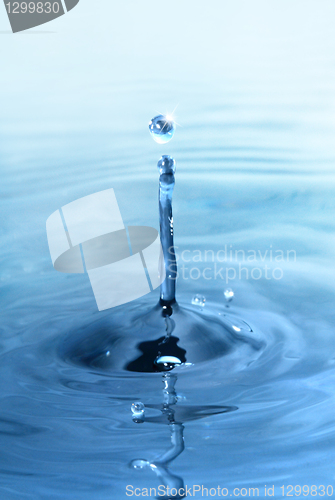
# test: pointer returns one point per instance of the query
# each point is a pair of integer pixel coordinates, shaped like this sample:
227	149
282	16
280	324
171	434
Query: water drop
137	407
199	300
162	128
139	463
138	412
228	294
166	363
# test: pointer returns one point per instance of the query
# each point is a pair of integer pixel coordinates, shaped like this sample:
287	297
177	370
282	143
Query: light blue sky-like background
108	64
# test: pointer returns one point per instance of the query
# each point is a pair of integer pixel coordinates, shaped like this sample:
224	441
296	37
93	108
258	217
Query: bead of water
162	128
199	300
137	410
228	294
137	407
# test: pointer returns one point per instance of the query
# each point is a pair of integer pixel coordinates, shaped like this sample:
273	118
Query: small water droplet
138	412
139	463
137	407
228	294
199	300
162	128
166	363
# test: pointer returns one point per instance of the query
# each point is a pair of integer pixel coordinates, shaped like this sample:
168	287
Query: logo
26	15
123	264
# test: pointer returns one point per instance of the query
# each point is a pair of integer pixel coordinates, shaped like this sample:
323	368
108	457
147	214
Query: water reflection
174	416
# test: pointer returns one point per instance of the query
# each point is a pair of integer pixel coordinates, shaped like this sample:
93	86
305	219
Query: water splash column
167	168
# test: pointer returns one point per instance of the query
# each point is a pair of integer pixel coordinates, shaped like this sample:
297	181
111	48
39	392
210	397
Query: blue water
255	155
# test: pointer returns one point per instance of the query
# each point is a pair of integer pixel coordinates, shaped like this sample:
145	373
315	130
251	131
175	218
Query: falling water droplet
229	294
162	128
166	363
199	300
